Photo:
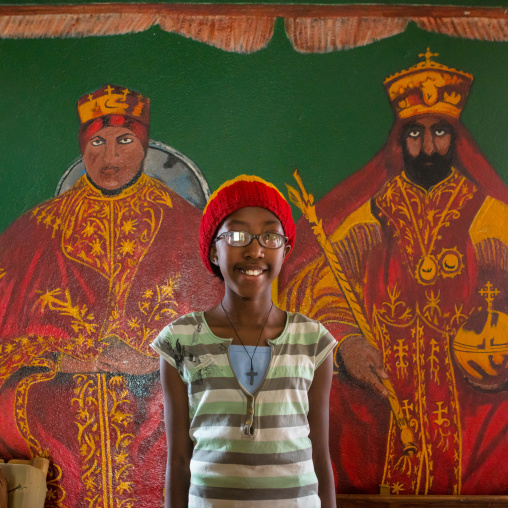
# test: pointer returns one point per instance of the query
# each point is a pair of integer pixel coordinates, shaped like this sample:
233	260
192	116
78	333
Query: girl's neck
245	311
247	318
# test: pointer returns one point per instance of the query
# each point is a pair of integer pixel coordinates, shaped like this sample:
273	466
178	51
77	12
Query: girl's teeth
253	272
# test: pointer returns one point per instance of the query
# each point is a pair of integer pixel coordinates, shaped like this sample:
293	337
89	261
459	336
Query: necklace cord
241	341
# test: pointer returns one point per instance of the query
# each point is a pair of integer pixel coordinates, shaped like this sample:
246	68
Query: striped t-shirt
248	448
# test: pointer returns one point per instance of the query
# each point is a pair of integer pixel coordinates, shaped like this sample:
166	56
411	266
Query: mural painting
405	263
111	260
417	241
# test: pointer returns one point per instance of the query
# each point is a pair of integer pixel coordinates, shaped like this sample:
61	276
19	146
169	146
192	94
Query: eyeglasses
243	238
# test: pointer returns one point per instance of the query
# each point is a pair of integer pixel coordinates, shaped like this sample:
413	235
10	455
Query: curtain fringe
247	33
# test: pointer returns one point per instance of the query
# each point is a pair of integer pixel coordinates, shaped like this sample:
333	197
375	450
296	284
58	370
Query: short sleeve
325	346
163	345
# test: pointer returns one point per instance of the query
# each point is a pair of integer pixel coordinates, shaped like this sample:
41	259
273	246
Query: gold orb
480	349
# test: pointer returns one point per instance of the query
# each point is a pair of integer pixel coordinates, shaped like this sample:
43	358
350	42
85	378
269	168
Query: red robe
78	273
416	261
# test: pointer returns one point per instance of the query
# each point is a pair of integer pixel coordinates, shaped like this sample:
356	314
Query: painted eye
440	132
97	142
125	141
414	133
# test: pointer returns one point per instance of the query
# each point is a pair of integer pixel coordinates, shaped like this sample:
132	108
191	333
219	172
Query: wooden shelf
380	501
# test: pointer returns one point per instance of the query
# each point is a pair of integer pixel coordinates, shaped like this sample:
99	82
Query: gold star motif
128	226
96	247
133	323
127	247
88	230
397	488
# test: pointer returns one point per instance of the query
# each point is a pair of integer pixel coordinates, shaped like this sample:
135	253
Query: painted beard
114	192
427	170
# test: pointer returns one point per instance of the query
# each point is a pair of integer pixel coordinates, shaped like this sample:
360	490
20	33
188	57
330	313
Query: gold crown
114	100
428	87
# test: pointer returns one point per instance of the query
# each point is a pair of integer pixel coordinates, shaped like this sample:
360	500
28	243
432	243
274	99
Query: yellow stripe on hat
242	178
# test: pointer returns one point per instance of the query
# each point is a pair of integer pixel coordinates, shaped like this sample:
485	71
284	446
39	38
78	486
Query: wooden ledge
391	501
296	10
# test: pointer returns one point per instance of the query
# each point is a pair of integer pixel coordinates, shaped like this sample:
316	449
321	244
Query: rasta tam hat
241	192
428	87
113	106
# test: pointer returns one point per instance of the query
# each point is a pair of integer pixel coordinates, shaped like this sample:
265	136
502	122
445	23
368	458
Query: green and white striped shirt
249	448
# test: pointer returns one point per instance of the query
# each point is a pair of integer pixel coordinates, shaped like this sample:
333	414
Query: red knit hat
241	192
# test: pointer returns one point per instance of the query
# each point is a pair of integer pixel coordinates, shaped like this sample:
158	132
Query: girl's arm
176	417
319	394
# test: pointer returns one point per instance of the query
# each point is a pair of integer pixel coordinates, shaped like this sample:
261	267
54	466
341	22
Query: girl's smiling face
249	271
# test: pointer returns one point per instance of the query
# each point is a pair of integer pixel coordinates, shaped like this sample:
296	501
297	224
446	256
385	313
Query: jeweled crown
428	87
114	100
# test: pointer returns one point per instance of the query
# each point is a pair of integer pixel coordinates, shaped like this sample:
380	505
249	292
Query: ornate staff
305	202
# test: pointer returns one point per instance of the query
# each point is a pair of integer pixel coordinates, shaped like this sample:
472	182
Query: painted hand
70	365
116	358
364	363
123	359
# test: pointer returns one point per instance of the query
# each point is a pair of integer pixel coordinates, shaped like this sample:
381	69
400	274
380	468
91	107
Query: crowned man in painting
421	236
88	279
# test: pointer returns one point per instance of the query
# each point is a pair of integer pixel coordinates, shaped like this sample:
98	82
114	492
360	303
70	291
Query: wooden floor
380	501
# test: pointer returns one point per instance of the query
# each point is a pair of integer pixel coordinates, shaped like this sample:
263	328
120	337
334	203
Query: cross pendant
251	374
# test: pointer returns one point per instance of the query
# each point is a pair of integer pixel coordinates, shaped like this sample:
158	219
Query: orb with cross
480	347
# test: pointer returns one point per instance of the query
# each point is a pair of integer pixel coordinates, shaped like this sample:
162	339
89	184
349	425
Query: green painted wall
265	113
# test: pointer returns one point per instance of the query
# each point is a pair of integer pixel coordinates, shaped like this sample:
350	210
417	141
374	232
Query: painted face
428	135
427	146
249	270
112	157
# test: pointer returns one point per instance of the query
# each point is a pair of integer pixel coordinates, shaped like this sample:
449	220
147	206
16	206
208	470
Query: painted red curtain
249	28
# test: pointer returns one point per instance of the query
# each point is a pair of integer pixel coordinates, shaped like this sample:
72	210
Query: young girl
248	382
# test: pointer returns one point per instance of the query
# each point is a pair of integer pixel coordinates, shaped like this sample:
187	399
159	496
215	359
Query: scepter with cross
305	202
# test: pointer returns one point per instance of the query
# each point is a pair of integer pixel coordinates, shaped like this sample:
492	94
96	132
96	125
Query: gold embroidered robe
416	261
79	274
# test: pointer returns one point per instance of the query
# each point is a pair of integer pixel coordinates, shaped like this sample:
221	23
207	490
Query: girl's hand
319	396
176	418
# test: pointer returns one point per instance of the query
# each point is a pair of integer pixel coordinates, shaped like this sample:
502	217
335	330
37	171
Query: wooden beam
285	11
393	501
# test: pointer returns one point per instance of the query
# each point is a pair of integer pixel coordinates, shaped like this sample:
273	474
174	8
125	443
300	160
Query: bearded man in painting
420	233
88	279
